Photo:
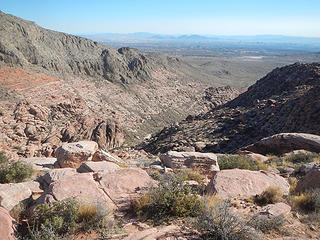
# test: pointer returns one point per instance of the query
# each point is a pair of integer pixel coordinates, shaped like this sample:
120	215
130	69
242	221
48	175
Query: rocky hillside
285	100
91	91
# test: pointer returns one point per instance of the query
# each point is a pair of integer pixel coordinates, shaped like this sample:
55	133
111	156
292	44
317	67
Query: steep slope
113	93
285	100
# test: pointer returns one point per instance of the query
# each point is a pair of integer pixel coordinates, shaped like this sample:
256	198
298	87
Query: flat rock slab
40	163
154	233
284	143
205	163
124	184
239	182
105	167
276	209
82	186
74	154
310	181
6	225
13	193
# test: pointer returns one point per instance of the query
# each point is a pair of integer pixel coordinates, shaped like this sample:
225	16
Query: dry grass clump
189	174
269	196
307	202
241	162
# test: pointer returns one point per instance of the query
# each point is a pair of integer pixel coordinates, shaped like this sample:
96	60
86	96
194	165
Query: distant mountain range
146	35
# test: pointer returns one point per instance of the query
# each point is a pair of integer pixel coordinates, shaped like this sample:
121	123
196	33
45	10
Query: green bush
220	223
269	196
67	217
171	198
15	172
239	161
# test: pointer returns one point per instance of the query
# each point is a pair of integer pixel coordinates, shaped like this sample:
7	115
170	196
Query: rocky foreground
88	174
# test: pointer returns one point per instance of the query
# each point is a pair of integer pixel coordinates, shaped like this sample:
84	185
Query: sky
206	17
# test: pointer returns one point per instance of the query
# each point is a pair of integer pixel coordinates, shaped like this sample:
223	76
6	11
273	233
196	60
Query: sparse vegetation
189	174
269	196
13	172
267	224
219	222
171	198
67	217
239	161
293	160
307	202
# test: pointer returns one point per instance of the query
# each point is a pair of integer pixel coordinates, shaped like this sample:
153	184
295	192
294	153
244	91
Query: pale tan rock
6	225
57	174
13	193
74	154
81	186
239	182
40	163
153	233
276	209
105	167
205	163
310	181
125	184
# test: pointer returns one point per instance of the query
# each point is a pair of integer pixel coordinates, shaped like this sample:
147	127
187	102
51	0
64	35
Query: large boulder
56	175
205	163
285	142
125	184
11	194
81	186
101	155
105	167
6	225
74	154
239	182
310	181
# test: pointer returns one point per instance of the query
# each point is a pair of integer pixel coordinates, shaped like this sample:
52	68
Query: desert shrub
220	223
63	218
60	217
239	161
171	198
293	160
293	184
269	196
307	202
267	224
302	158
15	172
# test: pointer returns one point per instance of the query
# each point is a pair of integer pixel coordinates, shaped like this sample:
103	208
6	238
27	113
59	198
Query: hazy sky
223	17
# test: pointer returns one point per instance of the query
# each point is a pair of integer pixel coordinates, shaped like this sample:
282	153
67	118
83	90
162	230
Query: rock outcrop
285	100
238	182
205	163
310	181
82	186
74	154
125	184
284	143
